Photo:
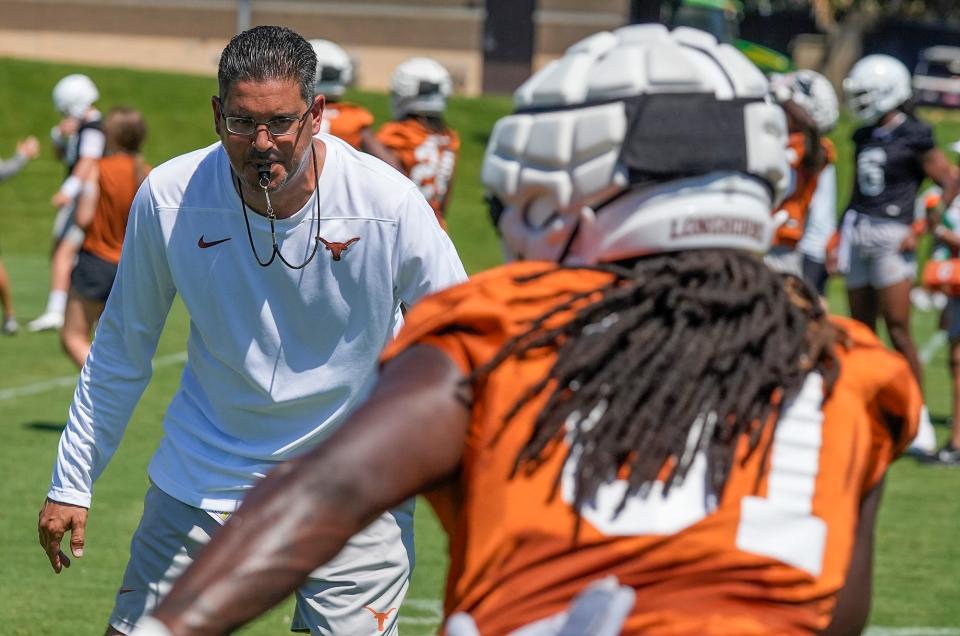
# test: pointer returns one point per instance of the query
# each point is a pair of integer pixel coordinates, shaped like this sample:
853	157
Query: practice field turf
916	583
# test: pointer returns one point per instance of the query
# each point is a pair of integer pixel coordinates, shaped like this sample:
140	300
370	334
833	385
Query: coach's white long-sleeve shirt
276	357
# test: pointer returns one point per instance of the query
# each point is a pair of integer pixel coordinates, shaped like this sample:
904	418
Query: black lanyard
271	216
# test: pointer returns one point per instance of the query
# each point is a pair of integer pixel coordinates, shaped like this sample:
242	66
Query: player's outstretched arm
943	173
407	437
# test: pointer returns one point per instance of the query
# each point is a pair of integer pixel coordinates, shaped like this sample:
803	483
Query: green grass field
916	581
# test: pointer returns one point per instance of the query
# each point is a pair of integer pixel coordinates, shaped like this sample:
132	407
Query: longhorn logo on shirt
380	616
337	249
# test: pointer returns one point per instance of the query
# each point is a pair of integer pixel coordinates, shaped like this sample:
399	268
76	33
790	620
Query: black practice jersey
889	169
72	153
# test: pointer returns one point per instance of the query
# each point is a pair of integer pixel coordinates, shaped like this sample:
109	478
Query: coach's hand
55	519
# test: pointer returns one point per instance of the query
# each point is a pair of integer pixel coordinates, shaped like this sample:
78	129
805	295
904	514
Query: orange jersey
428	158
118	183
346	121
765	556
804	187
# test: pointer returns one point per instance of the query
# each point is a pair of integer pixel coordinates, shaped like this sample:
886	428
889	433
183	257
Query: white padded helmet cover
74	94
334	68
876	85
419	86
555	163
812	92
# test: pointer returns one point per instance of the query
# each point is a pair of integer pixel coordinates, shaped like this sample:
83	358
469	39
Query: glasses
277	127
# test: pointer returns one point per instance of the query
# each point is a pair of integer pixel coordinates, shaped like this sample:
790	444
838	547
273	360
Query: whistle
264	179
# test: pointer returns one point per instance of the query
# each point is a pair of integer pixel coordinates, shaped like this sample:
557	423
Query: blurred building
488	45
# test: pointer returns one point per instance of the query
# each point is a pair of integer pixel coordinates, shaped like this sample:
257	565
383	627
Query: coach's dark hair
268	53
709	338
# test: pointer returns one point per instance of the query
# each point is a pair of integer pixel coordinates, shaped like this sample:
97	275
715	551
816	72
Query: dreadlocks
709	341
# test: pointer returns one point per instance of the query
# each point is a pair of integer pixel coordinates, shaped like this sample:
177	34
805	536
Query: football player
812	110
79	142
346	120
637	396
895	152
421	143
28	149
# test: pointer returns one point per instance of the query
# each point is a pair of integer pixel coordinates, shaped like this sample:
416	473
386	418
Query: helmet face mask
419	86
635	142
876	85
335	69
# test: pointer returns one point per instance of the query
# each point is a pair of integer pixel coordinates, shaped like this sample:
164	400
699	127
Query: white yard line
430	605
71	380
932	346
419	620
912	631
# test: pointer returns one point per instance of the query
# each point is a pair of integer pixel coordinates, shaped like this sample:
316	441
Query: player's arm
87	199
407	437
371	145
92	144
853	602
943	173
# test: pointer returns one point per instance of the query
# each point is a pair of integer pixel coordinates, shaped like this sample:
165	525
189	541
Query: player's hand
29	147
68	126
59	200
909	243
55	519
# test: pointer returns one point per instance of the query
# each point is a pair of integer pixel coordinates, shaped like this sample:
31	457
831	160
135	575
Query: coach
293	256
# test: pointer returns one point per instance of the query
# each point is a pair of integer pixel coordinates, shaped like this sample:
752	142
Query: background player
895	152
614	414
421	144
102	210
27	149
79	142
349	121
812	111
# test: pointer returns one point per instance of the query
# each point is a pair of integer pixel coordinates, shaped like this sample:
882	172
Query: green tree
846	22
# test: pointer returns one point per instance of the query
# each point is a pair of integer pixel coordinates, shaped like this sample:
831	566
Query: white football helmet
876	85
74	94
812	92
419	86
334	68
636	142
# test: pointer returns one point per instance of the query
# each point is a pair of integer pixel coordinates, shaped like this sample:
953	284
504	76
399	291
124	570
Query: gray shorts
871	253
359	592
785	261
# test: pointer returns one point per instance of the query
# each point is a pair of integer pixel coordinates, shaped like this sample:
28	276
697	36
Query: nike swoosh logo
204	245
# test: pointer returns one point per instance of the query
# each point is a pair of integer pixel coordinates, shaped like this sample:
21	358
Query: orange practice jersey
767	556
804	186
428	158
346	121
118	183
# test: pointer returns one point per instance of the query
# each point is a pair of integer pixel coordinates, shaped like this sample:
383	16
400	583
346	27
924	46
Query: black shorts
815	273
92	277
